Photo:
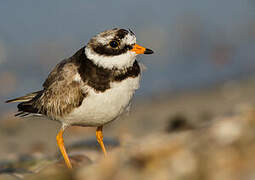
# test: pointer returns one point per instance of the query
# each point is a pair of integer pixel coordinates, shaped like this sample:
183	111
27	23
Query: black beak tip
148	51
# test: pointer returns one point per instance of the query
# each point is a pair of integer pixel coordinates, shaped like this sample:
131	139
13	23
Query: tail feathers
25	107
22	114
25	98
26	114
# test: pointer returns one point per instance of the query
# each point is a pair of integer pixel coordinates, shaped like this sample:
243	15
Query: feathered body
88	91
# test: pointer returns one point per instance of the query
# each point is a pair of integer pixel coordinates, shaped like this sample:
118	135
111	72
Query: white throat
117	61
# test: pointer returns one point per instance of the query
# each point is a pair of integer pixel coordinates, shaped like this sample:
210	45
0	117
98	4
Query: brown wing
62	93
53	76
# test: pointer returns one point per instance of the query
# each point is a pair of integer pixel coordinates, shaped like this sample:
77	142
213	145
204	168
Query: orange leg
99	136
61	146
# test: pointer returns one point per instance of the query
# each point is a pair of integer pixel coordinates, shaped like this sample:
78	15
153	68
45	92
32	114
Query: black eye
114	44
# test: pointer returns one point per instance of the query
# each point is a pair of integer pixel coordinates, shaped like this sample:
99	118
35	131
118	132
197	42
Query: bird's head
114	48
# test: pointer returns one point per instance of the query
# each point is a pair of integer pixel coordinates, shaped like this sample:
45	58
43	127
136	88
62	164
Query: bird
91	88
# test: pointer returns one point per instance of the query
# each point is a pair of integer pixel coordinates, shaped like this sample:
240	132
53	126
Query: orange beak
141	50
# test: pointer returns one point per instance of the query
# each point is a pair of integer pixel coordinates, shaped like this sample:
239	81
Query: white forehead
109	35
129	39
104	39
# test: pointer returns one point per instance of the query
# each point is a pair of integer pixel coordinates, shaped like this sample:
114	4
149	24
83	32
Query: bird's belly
99	108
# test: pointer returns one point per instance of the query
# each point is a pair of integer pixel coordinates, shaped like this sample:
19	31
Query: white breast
99	108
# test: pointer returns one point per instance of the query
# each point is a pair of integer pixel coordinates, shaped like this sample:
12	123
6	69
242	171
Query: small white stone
227	130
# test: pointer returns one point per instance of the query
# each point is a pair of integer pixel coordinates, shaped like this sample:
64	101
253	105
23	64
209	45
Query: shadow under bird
91	88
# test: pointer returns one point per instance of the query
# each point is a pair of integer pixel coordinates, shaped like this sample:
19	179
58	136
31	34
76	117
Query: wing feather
62	92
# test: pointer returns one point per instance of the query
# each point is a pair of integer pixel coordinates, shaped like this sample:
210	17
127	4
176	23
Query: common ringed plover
91	88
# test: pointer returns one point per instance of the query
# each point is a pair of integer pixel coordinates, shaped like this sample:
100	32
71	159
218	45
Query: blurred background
203	66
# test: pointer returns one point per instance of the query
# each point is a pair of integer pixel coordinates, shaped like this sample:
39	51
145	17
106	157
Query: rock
77	160
52	172
178	122
18	173
8	177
